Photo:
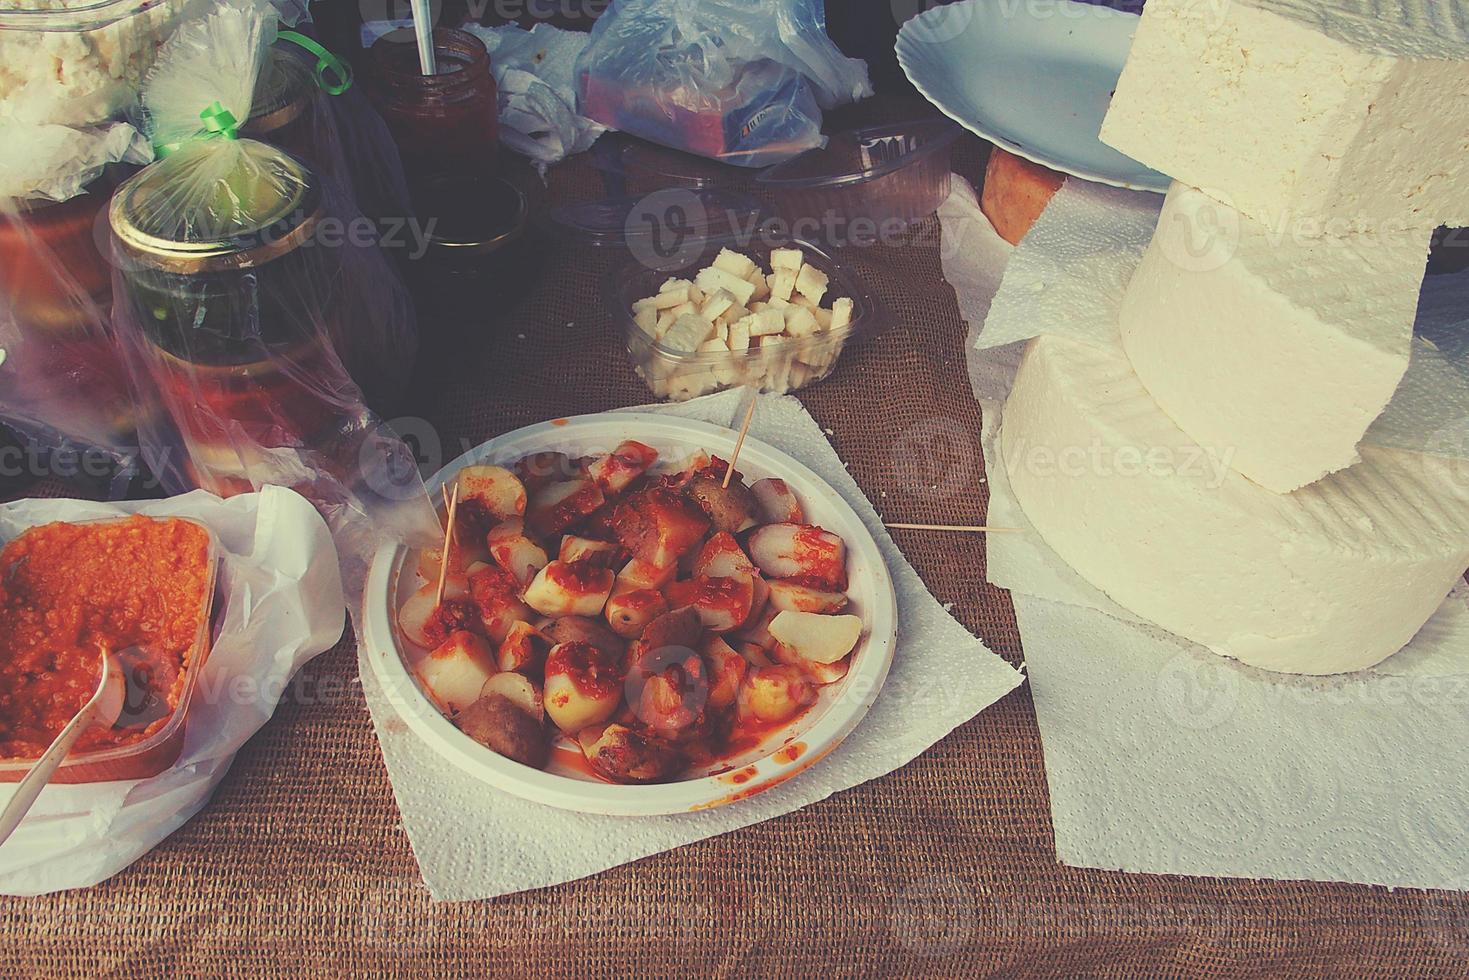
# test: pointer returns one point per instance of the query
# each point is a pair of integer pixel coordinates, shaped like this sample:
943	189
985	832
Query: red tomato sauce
67	591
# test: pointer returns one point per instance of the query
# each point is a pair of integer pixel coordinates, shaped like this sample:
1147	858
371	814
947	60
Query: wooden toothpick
966	528
453	531
740	442
448	543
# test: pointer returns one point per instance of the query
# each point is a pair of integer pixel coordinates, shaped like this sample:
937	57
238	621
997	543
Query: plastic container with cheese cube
75	63
681	357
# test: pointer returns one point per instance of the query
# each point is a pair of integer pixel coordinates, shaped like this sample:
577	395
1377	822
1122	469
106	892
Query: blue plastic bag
739	81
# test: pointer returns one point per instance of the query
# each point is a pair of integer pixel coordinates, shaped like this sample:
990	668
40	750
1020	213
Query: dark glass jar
50	265
234	318
280	112
482	255
446	124
233	293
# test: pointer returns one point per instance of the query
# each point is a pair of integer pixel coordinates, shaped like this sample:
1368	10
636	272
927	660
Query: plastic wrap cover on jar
203	87
62	384
228	306
242	301
308	104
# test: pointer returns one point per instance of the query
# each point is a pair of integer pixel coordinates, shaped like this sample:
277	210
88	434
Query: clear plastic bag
739	81
62	385
241	299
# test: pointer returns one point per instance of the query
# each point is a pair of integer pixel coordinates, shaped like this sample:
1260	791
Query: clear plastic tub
792	364
76	63
160	750
867	185
629	165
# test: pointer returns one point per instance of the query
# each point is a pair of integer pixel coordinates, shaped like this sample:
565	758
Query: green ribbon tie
219	123
333	75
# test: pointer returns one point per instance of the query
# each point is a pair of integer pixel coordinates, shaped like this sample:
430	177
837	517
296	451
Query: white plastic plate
567	784
1033	77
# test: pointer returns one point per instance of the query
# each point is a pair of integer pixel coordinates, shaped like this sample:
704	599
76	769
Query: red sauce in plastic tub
139	587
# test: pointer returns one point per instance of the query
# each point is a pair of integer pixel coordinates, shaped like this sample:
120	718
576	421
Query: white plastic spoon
103	708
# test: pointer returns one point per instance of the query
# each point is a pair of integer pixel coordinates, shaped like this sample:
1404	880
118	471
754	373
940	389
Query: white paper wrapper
473	841
534	75
1161	756
280	604
56	163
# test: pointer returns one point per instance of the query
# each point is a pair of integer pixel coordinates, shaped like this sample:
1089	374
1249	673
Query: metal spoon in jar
102	709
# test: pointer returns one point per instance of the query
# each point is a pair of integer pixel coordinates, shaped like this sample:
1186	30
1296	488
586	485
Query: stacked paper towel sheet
1201	461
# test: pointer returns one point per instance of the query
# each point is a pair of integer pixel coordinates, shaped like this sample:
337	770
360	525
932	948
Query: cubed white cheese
786	258
669	298
811	283
713	344
712	279
841	313
1340	110
767	322
739	335
799	321
674	284
760	290
823	318
1334	577
647	318
688	332
781	282
1283	348
717	304
734	263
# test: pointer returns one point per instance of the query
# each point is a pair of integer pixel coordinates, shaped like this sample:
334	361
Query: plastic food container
81	65
633	166
660	228
152	755
866	185
792	364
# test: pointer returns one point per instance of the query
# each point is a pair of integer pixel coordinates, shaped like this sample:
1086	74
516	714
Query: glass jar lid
281	94
182	215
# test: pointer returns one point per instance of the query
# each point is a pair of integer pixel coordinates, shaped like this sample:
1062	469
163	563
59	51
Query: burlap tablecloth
945	868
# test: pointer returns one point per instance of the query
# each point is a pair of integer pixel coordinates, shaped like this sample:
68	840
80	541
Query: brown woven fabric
945	868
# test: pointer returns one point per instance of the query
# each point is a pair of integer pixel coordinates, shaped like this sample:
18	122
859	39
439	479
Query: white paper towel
1161	756
473	841
280	604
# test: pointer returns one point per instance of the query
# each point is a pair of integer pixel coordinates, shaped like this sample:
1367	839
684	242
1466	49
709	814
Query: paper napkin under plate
474	841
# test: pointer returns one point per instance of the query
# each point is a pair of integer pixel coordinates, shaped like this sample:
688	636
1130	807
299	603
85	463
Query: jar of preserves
235	312
52	273
444	124
280	112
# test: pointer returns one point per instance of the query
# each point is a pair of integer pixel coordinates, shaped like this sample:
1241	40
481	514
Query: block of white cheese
1281	348
1354	111
1332	578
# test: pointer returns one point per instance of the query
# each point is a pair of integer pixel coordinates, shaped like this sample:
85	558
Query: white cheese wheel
1340	109
1332	578
1282	347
